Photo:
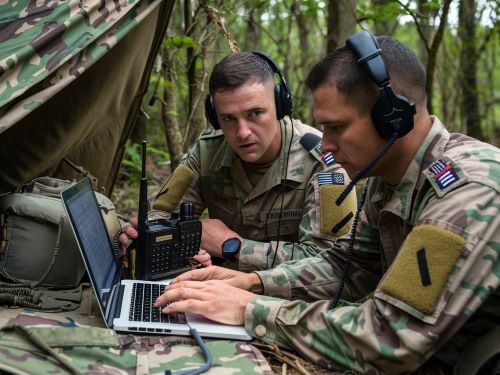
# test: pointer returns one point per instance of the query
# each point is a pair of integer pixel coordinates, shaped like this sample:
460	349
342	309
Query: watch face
232	245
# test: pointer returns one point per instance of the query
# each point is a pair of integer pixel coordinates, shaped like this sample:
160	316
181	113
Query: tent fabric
72	78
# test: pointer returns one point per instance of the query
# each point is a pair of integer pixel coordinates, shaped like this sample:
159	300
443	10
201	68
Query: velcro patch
328	158
332	216
420	271
174	188
335	178
444	174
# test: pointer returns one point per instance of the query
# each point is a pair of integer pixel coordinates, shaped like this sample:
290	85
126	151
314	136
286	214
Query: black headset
282	95
391	113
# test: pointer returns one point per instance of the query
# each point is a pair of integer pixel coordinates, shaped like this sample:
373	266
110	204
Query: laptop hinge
113	309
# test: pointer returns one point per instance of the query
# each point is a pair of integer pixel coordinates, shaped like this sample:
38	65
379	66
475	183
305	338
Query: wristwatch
230	248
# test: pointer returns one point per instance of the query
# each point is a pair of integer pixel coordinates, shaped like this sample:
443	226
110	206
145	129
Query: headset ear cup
392	113
283	99
279	103
210	112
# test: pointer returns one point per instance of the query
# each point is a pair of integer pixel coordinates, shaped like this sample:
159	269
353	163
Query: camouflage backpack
38	251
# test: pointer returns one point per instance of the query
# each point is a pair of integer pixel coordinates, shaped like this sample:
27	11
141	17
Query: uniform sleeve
317	277
193	194
255	255
417	307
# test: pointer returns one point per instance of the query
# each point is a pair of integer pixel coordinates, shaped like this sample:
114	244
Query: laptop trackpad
207	327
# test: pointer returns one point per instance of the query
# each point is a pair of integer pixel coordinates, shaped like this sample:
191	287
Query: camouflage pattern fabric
39	38
222	185
33	344
385	333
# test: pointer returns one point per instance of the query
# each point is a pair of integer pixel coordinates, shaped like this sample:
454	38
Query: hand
203	258
213	299
214	233
246	281
129	232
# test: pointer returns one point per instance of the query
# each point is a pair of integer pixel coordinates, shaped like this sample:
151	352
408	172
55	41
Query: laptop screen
88	225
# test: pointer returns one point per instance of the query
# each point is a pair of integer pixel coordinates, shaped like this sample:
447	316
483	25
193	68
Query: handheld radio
164	247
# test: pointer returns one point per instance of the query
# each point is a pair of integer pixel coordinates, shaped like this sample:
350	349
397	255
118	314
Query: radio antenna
143	208
143	193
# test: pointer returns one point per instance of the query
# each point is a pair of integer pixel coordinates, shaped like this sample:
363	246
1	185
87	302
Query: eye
227	118
255	113
333	127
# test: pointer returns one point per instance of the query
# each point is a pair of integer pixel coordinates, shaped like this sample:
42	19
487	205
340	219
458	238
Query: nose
328	143
243	129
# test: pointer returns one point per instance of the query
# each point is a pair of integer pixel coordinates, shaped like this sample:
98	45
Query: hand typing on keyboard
213	299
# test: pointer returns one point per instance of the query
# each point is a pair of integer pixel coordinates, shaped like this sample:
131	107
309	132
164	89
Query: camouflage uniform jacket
223	187
453	218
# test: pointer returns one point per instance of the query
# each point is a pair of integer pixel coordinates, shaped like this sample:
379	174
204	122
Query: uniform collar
226	157
400	197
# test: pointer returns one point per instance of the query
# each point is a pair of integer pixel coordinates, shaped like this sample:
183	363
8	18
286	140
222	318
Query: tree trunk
468	68
169	114
425	27
433	52
386	25
341	22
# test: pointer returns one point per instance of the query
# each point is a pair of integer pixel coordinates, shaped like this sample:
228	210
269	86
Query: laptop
127	305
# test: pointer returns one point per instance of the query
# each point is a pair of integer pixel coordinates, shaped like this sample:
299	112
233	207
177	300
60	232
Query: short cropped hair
237	69
340	69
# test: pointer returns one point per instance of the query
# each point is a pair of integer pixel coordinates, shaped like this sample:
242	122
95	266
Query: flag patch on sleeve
444	174
330	178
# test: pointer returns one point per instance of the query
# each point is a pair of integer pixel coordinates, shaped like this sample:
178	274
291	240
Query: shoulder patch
324	157
211	133
333	178
444	176
424	263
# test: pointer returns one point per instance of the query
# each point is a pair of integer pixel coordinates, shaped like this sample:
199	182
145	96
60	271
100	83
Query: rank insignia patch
330	178
327	158
444	174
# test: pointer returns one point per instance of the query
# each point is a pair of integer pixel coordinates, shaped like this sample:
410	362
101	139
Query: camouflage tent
72	77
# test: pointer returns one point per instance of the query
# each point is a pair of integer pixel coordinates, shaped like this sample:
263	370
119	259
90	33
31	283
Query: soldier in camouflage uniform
431	217
259	176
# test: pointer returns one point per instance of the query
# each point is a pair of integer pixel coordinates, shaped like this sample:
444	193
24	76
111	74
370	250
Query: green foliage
180	42
380	12
132	162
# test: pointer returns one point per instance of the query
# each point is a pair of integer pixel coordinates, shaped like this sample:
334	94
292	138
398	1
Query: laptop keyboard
142	309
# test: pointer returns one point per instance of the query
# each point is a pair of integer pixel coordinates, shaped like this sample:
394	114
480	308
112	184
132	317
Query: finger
205	260
188	285
123	239
133	221
197	275
130	231
181	293
191	306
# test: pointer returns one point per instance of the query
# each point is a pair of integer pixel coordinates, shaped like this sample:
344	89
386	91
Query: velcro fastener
423	265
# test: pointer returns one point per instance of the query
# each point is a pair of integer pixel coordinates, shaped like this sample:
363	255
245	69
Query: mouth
247	146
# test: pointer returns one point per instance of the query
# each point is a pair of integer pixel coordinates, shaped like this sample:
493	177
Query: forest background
456	40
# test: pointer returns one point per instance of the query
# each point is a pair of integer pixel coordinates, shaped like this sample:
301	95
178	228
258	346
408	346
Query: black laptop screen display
90	229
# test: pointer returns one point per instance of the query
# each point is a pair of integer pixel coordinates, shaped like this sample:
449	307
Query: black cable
283	191
206	354
340	199
347	263
365	170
